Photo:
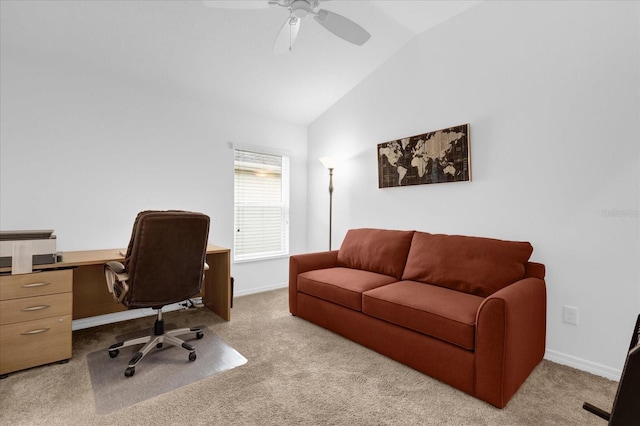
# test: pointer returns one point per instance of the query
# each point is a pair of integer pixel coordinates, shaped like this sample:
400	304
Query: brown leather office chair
164	264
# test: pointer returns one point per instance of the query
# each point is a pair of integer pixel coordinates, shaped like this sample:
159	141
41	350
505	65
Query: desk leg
217	291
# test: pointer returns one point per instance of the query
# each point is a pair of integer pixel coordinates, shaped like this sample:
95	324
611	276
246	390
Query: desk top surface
94	257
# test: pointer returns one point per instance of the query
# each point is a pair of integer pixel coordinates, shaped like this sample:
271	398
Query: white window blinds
261	193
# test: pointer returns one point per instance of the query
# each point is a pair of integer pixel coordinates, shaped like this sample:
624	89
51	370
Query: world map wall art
434	157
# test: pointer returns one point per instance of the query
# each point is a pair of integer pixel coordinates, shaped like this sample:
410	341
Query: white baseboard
583	364
80	324
260	289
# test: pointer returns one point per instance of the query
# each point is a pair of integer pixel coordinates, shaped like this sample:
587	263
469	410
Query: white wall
551	93
83	151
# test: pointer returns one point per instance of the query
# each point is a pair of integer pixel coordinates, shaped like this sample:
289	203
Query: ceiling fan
343	27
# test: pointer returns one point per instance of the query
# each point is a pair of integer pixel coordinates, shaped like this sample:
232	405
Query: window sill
262	258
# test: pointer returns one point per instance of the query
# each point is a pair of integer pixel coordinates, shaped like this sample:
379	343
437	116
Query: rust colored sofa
468	311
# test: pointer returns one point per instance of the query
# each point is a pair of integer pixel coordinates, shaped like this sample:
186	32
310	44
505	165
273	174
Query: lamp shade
329	162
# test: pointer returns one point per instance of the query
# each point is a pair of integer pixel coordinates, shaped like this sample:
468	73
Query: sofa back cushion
377	250
474	265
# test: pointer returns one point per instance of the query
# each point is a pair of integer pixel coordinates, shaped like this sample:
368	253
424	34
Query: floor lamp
330	163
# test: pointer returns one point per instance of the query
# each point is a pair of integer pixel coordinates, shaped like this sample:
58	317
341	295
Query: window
261	194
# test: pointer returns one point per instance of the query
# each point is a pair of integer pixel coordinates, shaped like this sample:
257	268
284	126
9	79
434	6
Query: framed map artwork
434	157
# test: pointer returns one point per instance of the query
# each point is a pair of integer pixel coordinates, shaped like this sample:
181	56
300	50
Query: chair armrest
116	267
307	262
510	339
116	277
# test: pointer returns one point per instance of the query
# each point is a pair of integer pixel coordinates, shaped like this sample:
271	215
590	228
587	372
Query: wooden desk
37	308
91	297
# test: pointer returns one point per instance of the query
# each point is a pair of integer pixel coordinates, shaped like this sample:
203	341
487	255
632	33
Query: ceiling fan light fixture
300	8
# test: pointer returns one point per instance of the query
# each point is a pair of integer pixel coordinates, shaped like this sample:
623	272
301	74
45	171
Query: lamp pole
330	163
330	203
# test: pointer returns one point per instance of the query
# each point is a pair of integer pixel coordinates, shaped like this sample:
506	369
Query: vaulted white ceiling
219	53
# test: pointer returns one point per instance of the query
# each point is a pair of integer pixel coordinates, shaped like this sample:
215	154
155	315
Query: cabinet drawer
31	343
35	284
31	308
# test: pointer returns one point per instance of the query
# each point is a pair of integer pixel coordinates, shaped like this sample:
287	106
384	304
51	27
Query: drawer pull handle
37	331
36	308
32	285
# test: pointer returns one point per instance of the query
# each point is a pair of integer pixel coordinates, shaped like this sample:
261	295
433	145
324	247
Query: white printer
42	242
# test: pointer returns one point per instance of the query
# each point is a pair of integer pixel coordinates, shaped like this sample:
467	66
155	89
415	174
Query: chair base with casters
157	339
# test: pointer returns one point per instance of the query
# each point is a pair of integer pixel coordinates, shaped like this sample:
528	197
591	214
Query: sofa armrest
510	339
534	270
300	263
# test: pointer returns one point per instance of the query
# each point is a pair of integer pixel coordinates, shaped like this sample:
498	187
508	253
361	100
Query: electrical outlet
570	315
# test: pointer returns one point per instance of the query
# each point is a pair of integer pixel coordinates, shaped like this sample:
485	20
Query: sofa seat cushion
343	286
474	265
438	312
377	250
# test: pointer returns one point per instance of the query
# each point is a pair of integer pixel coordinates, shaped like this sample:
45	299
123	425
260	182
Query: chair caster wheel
192	356
159	345
113	353
199	335
130	371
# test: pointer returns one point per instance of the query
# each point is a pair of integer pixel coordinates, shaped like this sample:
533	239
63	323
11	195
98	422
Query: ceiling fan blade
342	27
236	4
287	35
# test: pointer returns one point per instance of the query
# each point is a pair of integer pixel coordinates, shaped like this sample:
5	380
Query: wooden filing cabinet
35	319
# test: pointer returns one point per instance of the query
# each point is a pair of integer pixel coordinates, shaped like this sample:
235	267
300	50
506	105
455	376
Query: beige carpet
297	374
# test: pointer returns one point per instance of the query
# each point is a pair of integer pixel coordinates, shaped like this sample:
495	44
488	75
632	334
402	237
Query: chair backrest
165	258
